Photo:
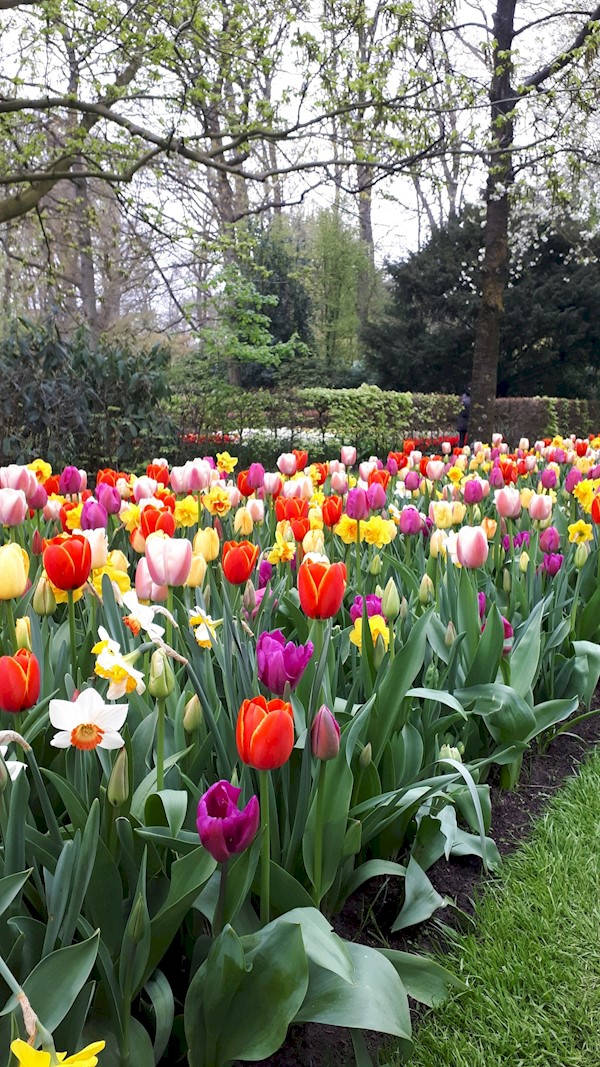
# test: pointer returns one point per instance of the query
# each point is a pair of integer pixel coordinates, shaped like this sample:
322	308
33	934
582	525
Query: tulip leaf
590	653
14	844
374	1000
525	655
371	869
337	785
397	680
484	665
420	898
424	980
57	980
551	712
163	1006
286	892
322	945
166	808
148	785
188	875
11	886
71	800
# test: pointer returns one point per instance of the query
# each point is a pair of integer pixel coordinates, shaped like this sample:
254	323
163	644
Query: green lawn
533	963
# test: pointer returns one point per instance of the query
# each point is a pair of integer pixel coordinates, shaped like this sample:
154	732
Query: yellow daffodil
584	493
580	532
27	1056
186	512
455	474
346	529
282	551
378	531
130	517
226	463
42	469
316	500
378	627
121	582
115	667
217	501
73	518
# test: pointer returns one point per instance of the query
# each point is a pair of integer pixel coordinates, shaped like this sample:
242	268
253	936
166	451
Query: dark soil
368	916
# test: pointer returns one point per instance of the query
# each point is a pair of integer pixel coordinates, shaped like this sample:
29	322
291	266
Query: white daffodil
117	668
141	616
87	722
204	626
13	766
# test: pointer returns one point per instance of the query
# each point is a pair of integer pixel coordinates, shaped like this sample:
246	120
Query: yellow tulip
197	571
14	571
207	543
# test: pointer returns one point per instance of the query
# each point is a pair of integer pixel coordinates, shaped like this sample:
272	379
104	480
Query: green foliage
66	400
551	330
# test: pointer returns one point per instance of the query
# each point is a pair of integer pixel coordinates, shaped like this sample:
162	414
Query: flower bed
232	698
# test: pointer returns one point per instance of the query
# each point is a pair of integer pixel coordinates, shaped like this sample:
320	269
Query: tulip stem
265	860
160	744
10	632
170	600
358	570
318	866
72	635
220	908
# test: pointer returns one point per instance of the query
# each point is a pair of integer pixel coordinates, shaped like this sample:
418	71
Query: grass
533	963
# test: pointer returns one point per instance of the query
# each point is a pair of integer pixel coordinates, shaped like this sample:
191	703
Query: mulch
368	915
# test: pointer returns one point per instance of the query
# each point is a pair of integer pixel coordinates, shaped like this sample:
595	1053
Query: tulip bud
523	562
390	601
450	635
449	752
375	565
249	597
162	679
137	920
426	590
192	715
506	581
37	543
365	757
378	652
403	608
325	735
581	554
431	677
117	790
23	631
44	601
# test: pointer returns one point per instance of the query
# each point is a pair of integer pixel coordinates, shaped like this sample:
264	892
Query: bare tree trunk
494	269
87	280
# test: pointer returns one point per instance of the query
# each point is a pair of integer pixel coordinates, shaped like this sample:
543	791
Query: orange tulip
331	510
153	519
265	733
301	458
238	561
380	476
68	561
291	508
321	587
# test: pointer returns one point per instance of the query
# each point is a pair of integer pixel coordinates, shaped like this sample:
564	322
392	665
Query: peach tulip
472	546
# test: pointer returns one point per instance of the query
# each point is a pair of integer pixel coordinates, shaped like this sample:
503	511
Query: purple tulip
411	521
552	563
224	830
594	473
549	539
70	482
38	499
265	573
109	497
93	515
481	603
392	466
256	476
279	662
496	478
412	481
357	504
373	606
573	478
325	735
473	491
376	497
548	478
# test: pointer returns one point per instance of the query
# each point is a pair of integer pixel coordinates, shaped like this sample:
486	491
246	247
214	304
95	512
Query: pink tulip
335	465
38	499
348	455
13	507
51	511
177	479
197	475
256	509
524	444
540	507
291	489
234	495
16	476
472	546
412	481
98	542
435	469
339	483
548	478
272	485
530	463
145	587
144	488
169	559
287	463
446	447
365	469
508	502
496	439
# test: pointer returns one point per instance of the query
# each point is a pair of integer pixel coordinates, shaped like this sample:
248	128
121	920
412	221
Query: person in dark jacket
462	424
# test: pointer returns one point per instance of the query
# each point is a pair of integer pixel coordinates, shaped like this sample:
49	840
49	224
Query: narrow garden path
532	965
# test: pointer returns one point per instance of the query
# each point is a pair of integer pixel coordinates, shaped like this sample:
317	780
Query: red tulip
242	484
300	528
68	561
288	508
159	472
321	470
265	733
153	519
331	509
382	477
301	458
321	588
19	681
238	560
